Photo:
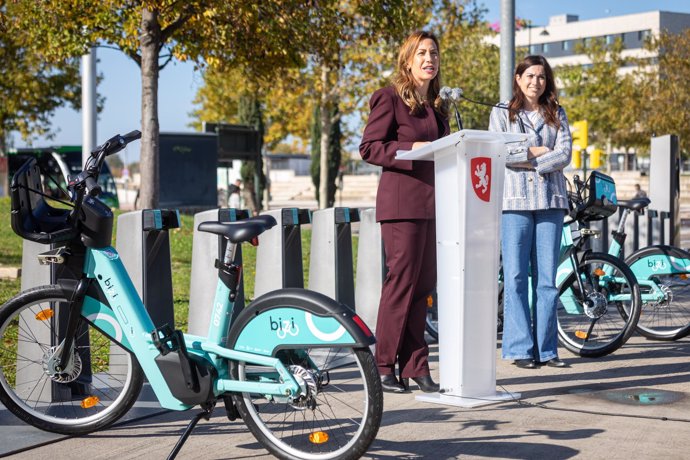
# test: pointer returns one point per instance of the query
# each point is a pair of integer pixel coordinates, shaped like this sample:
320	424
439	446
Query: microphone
453	96
457	94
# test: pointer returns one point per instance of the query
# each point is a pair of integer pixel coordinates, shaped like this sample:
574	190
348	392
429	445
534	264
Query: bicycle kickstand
205	414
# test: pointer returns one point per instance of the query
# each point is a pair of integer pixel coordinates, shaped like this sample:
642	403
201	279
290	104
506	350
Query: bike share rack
206	249
279	254
371	268
144	247
330	259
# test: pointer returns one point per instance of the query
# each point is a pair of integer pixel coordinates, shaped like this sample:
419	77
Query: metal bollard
371	268
279	254
206	249
144	247
330	260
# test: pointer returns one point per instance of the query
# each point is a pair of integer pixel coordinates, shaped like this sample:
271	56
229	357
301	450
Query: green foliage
601	95
31	89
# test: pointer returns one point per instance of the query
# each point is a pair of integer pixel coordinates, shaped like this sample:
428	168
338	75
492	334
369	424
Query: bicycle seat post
621	222
230	251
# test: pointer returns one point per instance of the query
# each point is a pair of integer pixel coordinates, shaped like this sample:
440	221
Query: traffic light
579	133
596	159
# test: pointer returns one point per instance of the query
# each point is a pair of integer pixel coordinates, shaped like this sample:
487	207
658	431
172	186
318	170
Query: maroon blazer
406	188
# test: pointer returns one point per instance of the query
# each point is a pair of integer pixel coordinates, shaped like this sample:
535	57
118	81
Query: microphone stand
457	116
521	124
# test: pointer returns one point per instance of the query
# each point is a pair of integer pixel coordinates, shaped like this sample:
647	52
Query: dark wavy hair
404	82
548	101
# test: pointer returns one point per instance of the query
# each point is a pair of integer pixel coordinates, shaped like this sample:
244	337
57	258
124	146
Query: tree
31	89
153	32
468	61
334	155
350	50
348	33
664	90
601	94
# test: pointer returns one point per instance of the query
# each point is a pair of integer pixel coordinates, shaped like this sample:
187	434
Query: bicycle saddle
636	204
240	231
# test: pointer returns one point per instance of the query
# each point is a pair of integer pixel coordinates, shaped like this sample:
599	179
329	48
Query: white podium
469	167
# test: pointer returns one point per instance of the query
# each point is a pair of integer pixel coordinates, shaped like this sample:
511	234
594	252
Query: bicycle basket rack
600	199
32	217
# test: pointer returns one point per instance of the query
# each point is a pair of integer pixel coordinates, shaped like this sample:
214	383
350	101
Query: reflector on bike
318	437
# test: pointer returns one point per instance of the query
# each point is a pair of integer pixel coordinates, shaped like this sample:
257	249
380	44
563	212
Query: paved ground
629	405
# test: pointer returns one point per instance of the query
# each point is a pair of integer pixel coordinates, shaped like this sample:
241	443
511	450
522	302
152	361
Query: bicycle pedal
54	256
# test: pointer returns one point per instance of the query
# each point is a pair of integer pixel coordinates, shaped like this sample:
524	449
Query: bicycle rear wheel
97	388
337	416
601	319
669	317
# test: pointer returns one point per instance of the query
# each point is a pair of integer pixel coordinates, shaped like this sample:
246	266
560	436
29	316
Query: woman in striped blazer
534	204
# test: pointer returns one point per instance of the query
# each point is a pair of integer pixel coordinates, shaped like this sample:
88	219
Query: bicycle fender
296	318
658	259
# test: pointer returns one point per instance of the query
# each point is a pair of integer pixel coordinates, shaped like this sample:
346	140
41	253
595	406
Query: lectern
469	169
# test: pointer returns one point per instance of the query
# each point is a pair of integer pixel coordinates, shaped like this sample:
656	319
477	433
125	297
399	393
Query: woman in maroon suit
405	116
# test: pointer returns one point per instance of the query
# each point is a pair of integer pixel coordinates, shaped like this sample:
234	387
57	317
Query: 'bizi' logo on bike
656	264
480	173
284	327
110	288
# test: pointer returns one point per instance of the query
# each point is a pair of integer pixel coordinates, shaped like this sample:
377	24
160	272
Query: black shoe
525	363
390	384
555	362
425	384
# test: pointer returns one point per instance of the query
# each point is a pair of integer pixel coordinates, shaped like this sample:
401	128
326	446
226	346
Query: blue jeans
530	241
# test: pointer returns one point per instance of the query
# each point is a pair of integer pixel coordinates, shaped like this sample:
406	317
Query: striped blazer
543	185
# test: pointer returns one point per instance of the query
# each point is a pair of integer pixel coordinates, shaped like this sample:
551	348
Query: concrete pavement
632	404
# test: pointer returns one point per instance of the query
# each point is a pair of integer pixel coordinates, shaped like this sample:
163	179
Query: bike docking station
279	254
330	261
469	170
371	269
143	243
34	274
206	249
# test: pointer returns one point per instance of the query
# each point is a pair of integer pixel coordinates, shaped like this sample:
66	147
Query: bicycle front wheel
598	314
337	416
98	386
667	317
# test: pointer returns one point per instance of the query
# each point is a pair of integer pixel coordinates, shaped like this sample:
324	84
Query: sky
121	84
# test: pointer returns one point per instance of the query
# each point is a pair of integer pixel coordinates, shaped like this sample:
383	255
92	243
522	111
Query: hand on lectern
418	145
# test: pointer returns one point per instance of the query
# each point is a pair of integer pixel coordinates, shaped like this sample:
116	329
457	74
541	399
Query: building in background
558	39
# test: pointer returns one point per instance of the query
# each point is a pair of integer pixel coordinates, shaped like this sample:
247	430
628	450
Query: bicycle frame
127	322
571	241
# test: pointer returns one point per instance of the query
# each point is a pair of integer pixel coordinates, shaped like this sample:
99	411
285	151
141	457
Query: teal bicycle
663	273
294	365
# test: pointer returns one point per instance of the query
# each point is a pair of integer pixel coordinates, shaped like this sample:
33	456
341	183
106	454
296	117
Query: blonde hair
404	82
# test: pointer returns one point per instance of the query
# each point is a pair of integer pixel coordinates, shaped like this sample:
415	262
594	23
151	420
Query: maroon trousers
410	247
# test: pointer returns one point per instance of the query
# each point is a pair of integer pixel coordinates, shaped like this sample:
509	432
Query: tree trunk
325	133
150	48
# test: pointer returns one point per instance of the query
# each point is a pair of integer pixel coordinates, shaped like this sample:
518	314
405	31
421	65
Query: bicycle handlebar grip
132	136
92	186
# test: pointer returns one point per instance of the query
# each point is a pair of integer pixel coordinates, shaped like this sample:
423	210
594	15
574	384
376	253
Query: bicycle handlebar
87	180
